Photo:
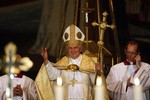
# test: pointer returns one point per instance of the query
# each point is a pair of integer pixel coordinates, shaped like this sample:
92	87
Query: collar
76	61
18	75
129	63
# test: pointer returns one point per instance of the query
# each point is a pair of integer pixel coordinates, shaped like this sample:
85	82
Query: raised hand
44	55
138	60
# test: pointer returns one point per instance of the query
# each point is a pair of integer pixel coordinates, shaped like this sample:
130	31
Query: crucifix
10	51
87	10
11	66
102	27
73	81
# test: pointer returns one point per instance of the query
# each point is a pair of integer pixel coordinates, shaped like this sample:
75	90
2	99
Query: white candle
59	90
137	89
99	89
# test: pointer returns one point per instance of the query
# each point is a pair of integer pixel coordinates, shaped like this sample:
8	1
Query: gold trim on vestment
86	65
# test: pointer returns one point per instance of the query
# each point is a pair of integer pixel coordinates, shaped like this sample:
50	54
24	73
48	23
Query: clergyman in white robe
117	81
27	84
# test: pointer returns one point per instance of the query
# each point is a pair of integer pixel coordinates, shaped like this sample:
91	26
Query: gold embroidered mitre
73	35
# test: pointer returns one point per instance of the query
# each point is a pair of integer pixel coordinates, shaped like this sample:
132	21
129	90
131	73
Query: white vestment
117	81
84	79
27	84
82	88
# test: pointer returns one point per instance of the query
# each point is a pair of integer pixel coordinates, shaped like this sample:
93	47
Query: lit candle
59	90
137	89
99	89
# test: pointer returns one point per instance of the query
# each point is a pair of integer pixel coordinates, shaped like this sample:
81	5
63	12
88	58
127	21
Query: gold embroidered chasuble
43	85
86	65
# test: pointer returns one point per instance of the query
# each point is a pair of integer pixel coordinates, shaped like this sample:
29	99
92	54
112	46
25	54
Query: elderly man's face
74	51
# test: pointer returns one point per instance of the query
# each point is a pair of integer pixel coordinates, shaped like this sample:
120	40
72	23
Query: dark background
21	27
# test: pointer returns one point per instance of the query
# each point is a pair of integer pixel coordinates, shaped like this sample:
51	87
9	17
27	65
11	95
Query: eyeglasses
132	53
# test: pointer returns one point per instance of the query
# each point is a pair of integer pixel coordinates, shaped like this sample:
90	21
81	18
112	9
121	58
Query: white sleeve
92	77
1	90
144	76
32	90
53	72
116	88
29	90
3	84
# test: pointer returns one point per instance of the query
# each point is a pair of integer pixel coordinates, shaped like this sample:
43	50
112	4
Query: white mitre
73	35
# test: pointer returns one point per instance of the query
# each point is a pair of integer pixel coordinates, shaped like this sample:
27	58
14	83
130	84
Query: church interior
27	23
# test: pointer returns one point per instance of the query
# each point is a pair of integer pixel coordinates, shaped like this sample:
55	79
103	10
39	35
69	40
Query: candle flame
136	81
59	81
9	98
99	81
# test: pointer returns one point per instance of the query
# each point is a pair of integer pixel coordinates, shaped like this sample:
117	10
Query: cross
10	51
87	10
12	66
102	25
73	81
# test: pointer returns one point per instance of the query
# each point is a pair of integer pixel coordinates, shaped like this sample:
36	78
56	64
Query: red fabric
19	75
128	63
